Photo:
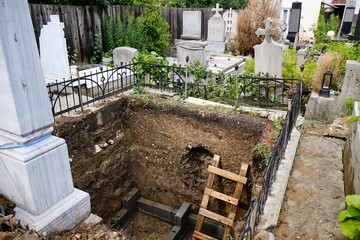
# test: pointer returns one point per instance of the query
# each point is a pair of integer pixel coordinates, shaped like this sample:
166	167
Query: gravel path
315	191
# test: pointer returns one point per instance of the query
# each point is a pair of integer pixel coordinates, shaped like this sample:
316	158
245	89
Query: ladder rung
216	217
200	235
221	196
227	174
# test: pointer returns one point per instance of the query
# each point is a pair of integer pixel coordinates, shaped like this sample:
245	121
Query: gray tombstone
191	25
194	49
216	26
124	55
53	50
35	174
268	55
294	24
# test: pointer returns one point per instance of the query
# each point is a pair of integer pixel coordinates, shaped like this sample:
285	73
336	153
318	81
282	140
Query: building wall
309	13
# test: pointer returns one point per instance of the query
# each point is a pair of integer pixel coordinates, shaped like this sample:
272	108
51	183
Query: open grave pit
159	147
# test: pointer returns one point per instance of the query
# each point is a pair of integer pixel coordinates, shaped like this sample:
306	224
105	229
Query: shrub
126	31
250	19
309	70
156	31
322	27
329	61
290	68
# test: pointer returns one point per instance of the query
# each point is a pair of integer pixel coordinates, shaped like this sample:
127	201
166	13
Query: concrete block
162	210
130	199
209	227
121	218
175	234
182	214
320	108
145	204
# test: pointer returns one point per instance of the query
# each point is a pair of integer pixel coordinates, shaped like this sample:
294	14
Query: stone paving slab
315	191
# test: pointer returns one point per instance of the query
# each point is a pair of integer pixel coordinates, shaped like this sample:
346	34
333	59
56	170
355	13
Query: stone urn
106	60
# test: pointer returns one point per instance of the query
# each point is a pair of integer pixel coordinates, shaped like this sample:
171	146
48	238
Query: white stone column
34	165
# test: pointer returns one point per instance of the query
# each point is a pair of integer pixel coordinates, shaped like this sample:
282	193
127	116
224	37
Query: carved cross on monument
268	31
217	10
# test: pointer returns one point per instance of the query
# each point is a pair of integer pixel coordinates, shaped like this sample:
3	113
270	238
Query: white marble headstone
216	26
268	55
191	25
53	50
230	17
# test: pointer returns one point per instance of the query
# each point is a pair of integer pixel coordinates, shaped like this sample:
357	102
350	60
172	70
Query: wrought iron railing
255	211
266	91
74	93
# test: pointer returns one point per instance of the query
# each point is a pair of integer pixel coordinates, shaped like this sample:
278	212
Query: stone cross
217	10
268	31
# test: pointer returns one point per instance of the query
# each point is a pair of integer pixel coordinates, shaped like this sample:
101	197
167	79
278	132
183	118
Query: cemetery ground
162	147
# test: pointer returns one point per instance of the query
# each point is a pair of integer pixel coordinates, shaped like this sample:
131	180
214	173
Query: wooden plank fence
83	22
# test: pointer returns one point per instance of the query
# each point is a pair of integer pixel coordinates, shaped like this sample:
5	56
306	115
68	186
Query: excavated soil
161	149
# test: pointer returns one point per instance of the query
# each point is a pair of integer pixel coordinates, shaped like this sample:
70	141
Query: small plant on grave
107	55
249	66
96	58
350	218
72	55
155	72
139	88
349	102
200	72
265	147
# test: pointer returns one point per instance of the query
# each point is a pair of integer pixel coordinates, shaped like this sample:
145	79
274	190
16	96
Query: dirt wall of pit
161	149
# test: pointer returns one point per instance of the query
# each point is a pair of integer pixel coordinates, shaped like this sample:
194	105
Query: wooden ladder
209	192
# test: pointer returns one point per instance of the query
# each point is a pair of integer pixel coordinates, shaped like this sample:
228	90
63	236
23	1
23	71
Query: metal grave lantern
326	83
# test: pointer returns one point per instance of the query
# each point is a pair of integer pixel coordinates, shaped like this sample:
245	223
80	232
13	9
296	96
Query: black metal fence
265	91
75	93
253	216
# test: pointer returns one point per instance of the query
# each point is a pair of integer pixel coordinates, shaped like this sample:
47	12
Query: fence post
186	77
237	86
79	88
